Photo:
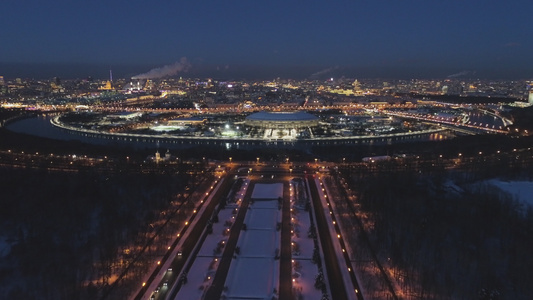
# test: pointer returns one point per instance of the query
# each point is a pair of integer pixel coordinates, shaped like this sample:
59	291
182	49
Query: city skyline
408	39
275	149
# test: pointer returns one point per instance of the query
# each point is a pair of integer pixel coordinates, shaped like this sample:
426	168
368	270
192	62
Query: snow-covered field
204	266
345	273
522	190
203	269
262	218
166	264
268	191
199	280
304	270
258	243
304	273
252	278
254	273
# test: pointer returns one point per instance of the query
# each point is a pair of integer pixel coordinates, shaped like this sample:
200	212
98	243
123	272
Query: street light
258	160
230	160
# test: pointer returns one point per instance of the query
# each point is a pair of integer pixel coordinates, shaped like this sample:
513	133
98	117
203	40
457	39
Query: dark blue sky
245	38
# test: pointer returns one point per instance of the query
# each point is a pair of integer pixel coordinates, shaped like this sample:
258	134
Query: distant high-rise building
356	86
530	98
3	87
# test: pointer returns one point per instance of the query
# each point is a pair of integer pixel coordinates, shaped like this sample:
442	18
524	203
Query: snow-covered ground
254	273
203	269
268	191
204	266
303	269
304	273
199	280
322	192
261	216
252	278
521	190
166	264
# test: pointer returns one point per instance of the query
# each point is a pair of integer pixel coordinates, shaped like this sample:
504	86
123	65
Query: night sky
266	39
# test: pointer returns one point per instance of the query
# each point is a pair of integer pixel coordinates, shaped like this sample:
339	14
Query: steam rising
182	66
322	72
460	74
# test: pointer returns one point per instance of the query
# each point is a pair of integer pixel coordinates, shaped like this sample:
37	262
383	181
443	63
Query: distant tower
356	86
111	75
2	82
530	98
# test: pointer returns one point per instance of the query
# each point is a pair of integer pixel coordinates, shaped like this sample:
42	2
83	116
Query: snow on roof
282	116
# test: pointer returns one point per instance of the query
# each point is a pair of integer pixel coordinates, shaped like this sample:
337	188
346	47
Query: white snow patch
197	281
304	281
212	240
251	278
302	224
268	191
254	273
265	219
522	190
258	243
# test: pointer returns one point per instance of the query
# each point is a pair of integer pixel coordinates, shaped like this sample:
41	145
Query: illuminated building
281	120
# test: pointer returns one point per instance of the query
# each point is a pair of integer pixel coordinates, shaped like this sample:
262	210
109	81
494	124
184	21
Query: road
195	236
336	283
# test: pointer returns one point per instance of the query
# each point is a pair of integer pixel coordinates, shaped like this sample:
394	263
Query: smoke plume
182	66
322	72
460	74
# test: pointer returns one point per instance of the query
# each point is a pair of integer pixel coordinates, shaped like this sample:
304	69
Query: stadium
290	129
281	120
281	125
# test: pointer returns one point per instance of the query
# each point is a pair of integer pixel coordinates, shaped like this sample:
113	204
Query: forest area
63	234
445	234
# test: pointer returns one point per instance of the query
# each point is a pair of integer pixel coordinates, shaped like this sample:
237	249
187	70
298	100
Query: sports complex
246	130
